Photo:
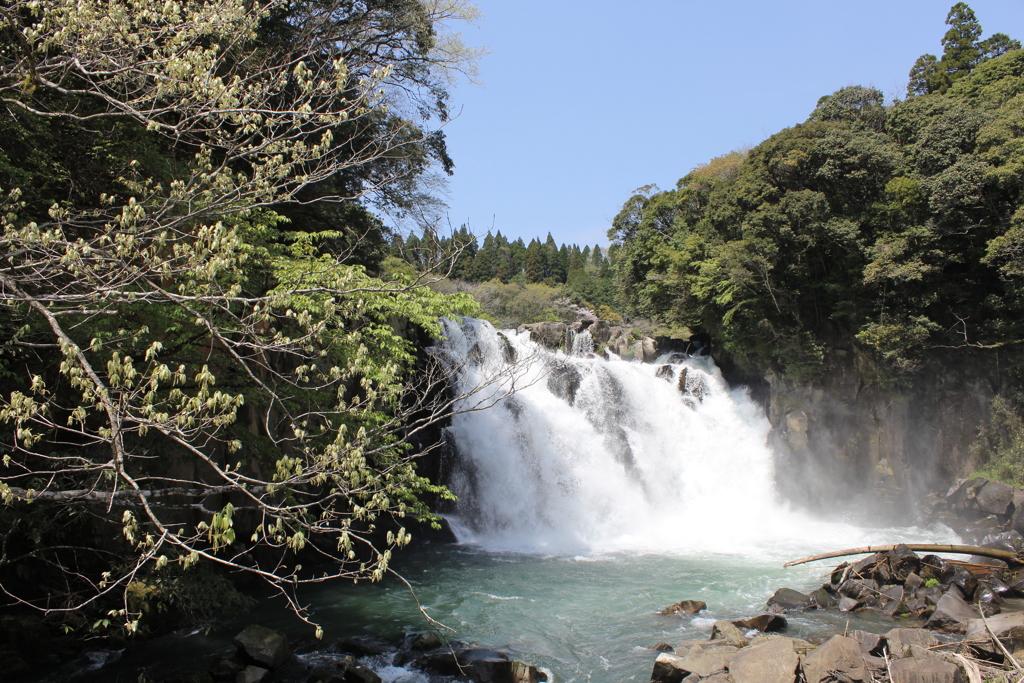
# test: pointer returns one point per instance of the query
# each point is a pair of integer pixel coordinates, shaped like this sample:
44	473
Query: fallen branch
1007	556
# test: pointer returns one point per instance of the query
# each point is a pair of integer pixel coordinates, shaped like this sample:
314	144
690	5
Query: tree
181	370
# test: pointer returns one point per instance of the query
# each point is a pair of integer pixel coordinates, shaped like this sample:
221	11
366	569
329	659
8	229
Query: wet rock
361	674
930	670
684	607
549	334
859	589
965	581
255	674
790	600
526	673
263	645
774	661
422	640
564	381
849	604
724	630
823	598
892	600
839	655
662	647
913	582
903	562
369	645
951	614
764	623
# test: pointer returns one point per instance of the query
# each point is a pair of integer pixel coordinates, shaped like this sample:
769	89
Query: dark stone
951	614
995	498
227	668
913	582
564	381
791	600
859	589
363	646
662	647
912	636
931	595
904	562
849	604
934	567
255	674
668	669
766	623
263	645
965	581
839	654
361	674
823	598
422	640
684	607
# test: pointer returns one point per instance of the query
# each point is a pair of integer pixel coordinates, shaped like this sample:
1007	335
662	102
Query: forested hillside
896	229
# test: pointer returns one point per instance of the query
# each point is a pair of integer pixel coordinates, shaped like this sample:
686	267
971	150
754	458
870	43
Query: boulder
263	645
859	589
366	645
764	623
705	664
422	640
995	498
662	647
227	668
824	598
849	604
361	674
839	654
684	607
870	643
929	670
801	647
951	614
790	600
724	630
1001	624
255	674
902	641
668	669
549	334
774	661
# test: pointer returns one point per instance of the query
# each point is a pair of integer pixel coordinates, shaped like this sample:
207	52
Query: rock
366	645
903	562
995	498
724	630
227	668
361	674
564	381
790	600
951	614
930	670
764	623
965	581
839	654
859	589
1001	625
823	598
892	600
774	661
255	674
913	582
684	607
705	664
263	645
849	604
550	334
422	640
668	669
662	647
871	643
526	673
801	647
902	640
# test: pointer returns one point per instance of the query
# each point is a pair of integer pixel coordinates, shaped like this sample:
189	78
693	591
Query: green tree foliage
892	229
199	366
962	52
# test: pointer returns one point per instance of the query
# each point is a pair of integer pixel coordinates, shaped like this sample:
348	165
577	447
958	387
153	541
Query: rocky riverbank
952	620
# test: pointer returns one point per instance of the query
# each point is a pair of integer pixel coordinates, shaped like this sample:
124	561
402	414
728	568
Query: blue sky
583	101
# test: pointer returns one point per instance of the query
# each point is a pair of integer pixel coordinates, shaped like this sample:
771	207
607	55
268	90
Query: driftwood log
1007	556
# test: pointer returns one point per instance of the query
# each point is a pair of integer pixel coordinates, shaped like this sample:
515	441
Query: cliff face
845	437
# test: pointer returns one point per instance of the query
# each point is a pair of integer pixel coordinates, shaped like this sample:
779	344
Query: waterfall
571	452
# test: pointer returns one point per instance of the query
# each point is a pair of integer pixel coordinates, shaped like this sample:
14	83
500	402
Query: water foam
578	454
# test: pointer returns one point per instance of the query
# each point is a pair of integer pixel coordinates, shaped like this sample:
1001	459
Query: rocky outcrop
849	436
624	341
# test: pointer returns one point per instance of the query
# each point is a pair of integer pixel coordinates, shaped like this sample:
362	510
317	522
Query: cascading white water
566	453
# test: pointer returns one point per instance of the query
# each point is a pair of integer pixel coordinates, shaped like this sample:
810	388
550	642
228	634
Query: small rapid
575	454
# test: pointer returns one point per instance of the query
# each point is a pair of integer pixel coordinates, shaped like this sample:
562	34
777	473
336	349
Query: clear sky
583	101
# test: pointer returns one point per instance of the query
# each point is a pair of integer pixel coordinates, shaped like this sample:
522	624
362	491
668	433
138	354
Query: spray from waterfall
578	453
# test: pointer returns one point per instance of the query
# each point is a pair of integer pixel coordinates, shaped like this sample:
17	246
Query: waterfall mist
575	453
